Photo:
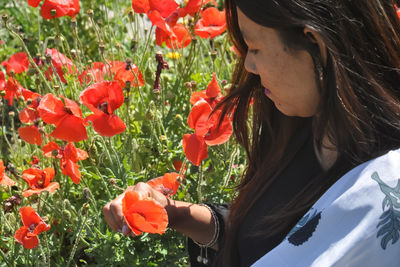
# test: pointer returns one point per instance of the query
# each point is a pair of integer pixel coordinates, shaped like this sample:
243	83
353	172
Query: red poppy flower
30	114
212	94
18	63
67	118
69	166
127	73
206	125
62	7
69	155
96	73
167	184
103	99
13	89
33	225
60	63
143	215
211	24
39	181
193	6
165	7
4	179
30	134
195	148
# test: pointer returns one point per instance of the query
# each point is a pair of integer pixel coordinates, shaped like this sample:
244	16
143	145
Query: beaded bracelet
212	242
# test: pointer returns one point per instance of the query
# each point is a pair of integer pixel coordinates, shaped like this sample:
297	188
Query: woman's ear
316	38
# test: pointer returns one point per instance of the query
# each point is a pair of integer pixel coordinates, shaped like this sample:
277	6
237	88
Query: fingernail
125	230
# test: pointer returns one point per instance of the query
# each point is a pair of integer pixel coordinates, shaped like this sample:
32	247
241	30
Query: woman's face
288	76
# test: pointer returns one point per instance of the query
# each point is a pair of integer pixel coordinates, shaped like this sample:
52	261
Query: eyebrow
245	36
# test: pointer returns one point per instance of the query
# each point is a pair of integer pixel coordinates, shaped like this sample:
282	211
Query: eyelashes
253	51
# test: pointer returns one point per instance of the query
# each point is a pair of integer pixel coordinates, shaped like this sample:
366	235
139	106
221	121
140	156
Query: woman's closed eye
253	51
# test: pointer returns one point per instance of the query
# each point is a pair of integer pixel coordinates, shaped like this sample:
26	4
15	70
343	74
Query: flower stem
78	236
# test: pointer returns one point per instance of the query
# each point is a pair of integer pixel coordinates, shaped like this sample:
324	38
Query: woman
324	77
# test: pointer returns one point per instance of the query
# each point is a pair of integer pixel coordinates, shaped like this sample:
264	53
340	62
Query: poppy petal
30	134
143	215
219	135
62	7
167	184
211	24
195	148
70	129
71	169
107	125
198	118
22	237
51	109
213	89
109	92
18	63
51	188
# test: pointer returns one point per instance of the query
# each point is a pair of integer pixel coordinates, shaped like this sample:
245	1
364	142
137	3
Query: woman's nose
249	64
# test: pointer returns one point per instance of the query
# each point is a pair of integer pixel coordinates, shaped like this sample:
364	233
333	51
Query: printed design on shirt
389	225
305	228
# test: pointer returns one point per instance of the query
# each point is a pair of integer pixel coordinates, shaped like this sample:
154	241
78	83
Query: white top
355	223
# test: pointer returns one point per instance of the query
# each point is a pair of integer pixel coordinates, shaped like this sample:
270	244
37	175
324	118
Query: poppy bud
73	53
90	13
67	203
100	22
4	17
118	45
128	63
2	93
57	40
133	43
188	85
21	98
85	206
130	15
163	138
179	117
86	193
31	72
29	101
112	181
214	54
12	73
53	12
37	81
224	82
149	114
56	87
101	48
194	85
11	113
67	214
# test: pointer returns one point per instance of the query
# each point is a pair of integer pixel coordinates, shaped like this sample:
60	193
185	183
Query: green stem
199	194
31	61
78	236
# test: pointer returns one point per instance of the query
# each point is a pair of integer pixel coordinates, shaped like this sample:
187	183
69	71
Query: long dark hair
359	110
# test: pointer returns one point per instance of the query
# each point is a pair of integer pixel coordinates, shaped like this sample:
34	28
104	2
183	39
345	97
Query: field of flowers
99	95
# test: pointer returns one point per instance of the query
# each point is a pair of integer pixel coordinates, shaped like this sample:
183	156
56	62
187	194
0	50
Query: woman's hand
113	210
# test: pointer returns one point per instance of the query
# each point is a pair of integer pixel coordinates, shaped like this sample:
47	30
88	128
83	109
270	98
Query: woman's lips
267	91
